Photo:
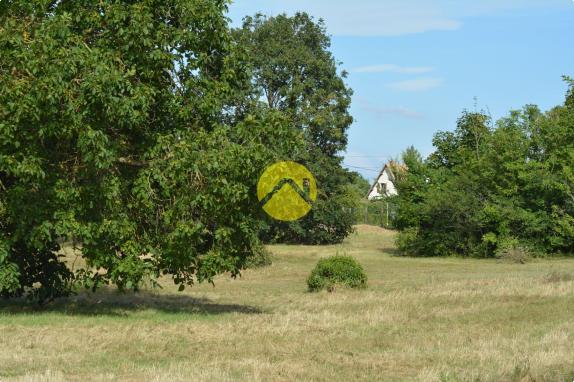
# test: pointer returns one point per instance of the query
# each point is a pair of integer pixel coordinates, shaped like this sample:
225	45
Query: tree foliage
294	73
487	187
119	130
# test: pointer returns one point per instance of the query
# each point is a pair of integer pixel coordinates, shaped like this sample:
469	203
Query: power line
361	168
367	156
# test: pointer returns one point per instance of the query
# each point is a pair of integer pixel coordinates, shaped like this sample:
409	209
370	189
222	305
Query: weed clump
558	277
512	251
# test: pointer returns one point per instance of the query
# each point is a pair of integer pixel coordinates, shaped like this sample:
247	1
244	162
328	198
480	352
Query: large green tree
294	72
115	132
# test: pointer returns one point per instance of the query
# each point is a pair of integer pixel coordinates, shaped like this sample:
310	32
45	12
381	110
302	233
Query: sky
415	65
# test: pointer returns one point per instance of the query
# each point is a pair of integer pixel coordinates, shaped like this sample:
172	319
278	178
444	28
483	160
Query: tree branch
133	162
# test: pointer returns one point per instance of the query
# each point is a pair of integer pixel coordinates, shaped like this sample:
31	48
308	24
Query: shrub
406	241
337	270
260	258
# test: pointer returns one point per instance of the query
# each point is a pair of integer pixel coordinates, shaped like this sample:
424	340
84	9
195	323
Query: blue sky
415	65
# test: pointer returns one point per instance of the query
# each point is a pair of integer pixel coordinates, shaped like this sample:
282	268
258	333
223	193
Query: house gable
383	185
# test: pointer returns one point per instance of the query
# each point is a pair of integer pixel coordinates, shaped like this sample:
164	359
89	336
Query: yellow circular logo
286	191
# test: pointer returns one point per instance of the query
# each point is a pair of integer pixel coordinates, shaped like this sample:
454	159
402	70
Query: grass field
419	320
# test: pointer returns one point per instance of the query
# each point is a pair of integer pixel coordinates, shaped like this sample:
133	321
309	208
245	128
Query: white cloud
416	85
389	17
358	18
393	69
489	7
400	111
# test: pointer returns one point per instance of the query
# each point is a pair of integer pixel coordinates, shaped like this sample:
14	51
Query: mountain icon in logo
287	190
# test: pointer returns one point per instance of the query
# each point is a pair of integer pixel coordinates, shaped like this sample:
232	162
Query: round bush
337	270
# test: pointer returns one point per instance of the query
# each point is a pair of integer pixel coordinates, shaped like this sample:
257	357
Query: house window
382	188
306	186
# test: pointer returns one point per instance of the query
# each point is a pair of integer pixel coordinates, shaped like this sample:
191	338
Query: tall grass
420	320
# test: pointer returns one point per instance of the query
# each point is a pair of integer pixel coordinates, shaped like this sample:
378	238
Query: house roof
389	165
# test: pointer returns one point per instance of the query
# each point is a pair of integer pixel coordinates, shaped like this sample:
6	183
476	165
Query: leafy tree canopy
119	130
294	73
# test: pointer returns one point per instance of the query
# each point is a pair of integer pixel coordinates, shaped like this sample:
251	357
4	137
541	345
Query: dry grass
420	319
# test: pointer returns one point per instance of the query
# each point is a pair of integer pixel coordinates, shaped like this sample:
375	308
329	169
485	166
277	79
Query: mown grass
420	319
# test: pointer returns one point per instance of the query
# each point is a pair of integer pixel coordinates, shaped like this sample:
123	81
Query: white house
384	185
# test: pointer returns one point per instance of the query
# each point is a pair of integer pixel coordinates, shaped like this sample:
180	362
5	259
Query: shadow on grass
113	303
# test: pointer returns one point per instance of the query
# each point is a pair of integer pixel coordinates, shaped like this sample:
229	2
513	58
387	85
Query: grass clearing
420	319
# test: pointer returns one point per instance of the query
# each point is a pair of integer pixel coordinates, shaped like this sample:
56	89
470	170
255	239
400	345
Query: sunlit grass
420	319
